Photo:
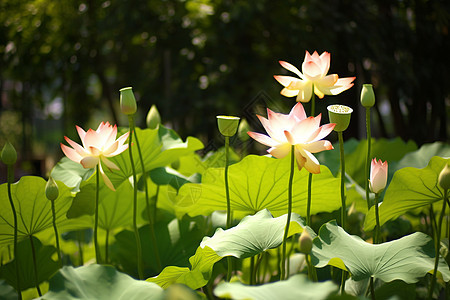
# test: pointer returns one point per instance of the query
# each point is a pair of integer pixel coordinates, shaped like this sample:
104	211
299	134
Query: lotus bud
51	189
243	129
367	96
9	154
127	101
305	242
378	175
153	118
340	115
444	177
228	125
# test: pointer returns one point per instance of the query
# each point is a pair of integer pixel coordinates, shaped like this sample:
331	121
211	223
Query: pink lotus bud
378	175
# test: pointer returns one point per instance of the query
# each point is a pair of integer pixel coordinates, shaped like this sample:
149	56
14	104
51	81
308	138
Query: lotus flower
298	130
378	175
315	69
97	146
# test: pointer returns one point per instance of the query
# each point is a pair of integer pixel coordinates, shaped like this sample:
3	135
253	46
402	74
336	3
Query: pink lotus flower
378	175
315	69
97	146
296	129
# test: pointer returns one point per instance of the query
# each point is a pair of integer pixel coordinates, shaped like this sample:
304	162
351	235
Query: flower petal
106	179
304	95
262	138
318	146
311	164
280	150
305	129
284	80
324	131
71	153
89	162
109	163
298	111
291	68
289	93
77	147
325	58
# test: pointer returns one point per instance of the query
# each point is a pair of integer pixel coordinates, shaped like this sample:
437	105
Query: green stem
308	204
10	181
367	166
136	231
377	239
227	194
372	289
288	219
252	270
107	246
36	279
97	194
433	221
155	204
80	237
437	247
343	279
257	269
344	209
58	249
149	215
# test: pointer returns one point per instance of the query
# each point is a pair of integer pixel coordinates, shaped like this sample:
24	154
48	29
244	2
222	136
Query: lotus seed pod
153	118
305	242
367	96
228	125
444	177
340	115
9	154
51	189
127	101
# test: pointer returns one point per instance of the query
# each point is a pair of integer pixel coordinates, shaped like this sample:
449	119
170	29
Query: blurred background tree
63	62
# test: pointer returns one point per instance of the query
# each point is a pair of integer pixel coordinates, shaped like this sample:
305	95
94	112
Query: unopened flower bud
444	177
51	189
243	129
228	125
340	115
367	96
153	118
305	242
9	154
127	101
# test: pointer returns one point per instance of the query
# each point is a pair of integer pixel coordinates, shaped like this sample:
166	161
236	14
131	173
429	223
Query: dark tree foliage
197	59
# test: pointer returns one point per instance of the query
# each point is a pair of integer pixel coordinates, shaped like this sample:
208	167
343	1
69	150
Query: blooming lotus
97	146
295	129
314	77
378	175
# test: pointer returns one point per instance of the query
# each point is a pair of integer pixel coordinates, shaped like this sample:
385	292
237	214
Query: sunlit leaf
410	189
71	173
256	183
408	258
159	148
99	282
45	265
33	209
296	287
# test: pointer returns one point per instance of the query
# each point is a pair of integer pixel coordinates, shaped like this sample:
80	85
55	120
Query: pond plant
167	223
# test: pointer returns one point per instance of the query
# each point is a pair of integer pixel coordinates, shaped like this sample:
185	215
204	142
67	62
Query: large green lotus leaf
296	287
253	235
409	189
45	265
408	259
256	183
176	241
33	209
71	173
99	282
421	157
7	292
159	148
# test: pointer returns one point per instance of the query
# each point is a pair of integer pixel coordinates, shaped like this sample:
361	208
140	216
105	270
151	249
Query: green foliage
99	282
296	287
410	189
407	259
46	266
257	183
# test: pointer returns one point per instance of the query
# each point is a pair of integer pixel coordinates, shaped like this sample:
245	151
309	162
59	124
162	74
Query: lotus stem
288	219
80	238
58	248
149	215
367	166
342	159
437	246
136	231
227	194
308	204
372	289
377	239
252	271
10	175
97	194
107	246
36	278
